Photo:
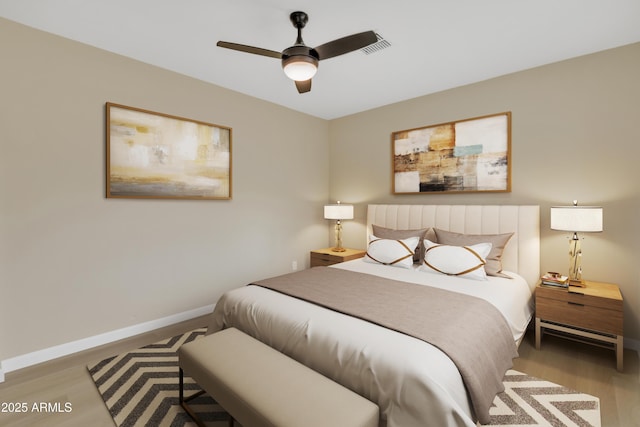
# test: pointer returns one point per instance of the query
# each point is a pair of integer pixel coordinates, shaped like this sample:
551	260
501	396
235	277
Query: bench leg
187	408
183	401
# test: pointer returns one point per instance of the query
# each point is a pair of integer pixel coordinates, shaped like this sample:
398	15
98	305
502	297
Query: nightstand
324	257
591	314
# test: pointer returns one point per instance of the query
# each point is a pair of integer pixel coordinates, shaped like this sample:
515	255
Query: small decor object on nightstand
555	279
576	219
338	212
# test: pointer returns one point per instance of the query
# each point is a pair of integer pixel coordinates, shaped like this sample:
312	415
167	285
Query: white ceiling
435	45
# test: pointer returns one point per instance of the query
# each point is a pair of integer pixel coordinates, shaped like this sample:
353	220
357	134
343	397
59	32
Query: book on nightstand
555	280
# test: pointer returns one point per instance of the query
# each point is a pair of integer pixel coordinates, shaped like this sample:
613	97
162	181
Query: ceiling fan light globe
300	68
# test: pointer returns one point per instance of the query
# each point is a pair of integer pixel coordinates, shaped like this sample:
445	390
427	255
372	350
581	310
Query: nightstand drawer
578	296
326	257
324	260
571	310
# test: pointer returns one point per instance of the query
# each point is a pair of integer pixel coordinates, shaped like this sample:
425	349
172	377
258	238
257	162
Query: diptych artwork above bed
471	155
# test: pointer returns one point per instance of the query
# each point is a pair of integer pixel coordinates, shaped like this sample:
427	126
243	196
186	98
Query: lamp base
577	282
338	247
575	262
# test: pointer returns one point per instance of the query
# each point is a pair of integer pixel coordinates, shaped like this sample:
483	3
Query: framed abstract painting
159	156
471	155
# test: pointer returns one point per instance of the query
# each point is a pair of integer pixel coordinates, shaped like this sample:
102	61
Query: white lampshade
300	68
338	211
576	218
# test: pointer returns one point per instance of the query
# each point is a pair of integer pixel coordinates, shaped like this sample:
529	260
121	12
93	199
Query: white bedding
413	383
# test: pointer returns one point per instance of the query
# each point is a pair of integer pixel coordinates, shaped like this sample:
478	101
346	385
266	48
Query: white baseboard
47	354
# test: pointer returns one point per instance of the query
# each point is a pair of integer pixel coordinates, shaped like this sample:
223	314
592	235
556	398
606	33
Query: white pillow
461	261
398	253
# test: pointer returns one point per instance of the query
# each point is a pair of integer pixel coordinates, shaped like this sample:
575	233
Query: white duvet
413	382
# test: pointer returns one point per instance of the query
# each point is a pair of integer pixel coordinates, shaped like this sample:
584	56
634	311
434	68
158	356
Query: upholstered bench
261	387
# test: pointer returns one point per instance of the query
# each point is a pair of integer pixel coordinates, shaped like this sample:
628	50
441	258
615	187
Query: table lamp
583	219
338	212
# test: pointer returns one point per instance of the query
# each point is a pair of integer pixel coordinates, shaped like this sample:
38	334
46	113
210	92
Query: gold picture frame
471	155
153	155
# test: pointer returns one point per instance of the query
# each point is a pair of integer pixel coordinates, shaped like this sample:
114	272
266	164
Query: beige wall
575	135
74	264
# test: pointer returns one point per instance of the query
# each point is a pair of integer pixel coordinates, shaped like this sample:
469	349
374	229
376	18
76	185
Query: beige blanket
469	330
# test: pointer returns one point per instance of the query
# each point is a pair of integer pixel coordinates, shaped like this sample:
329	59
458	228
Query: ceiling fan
300	62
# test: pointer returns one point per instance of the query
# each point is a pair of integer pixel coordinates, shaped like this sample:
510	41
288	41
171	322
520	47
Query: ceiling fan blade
250	49
346	44
303	86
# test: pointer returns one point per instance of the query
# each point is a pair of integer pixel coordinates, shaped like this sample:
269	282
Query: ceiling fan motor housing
300	62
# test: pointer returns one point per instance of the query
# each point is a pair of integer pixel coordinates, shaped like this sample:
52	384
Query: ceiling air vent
375	47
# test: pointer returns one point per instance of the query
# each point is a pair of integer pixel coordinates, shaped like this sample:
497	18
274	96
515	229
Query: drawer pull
576	293
575	303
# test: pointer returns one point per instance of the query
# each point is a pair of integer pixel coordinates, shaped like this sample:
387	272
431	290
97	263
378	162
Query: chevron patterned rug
530	401
140	388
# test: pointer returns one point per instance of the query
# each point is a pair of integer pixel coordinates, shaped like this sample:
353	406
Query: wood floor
585	368
590	370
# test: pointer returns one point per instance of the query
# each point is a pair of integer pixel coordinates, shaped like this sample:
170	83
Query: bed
414	383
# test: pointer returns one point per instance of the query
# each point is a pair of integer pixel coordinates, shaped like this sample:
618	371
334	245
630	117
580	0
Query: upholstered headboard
522	253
